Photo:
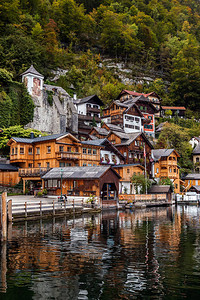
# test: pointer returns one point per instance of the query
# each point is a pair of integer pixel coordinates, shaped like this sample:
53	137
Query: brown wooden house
35	156
133	146
100	181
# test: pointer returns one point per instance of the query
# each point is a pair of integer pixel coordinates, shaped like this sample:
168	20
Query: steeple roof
32	70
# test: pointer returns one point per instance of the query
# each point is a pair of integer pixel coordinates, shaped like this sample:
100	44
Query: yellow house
164	165
192	179
126	172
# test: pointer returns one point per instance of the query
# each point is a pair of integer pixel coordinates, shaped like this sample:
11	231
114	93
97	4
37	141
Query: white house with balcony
109	154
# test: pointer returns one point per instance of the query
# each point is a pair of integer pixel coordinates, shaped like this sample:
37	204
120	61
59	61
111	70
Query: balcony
88	118
68	155
33	172
92	109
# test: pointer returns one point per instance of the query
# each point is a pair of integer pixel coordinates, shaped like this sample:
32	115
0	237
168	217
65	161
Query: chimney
75	97
32	135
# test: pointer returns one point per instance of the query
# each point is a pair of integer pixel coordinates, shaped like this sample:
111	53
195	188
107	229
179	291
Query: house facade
196	158
133	146
126	172
88	109
100	181
165	165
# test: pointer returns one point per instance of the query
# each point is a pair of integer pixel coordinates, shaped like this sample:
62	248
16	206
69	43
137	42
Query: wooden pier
38	209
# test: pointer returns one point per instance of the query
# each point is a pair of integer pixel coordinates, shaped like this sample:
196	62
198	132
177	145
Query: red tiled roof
136	93
174	107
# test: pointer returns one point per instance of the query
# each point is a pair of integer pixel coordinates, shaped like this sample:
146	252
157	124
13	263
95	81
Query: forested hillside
160	38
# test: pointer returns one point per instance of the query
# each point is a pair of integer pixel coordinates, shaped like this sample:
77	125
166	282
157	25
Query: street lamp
61	183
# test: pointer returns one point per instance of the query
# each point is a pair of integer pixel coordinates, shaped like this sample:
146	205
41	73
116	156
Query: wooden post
65	205
10	210
4	216
82	201
3	267
24	186
53	208
40	208
25	209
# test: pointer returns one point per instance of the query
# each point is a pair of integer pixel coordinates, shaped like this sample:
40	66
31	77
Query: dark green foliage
15	131
50	97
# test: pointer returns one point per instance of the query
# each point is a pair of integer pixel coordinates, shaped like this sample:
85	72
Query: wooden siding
52	153
9	178
167	167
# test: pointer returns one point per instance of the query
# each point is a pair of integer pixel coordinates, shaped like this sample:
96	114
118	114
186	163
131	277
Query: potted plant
91	200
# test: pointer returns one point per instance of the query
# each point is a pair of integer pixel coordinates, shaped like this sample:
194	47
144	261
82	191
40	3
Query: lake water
144	254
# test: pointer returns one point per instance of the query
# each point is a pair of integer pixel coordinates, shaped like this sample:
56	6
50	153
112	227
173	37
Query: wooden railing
33	172
68	155
35	210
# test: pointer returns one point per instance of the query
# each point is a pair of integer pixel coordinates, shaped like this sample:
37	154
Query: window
37	150
30	151
39	165
68	164
174	170
48	149
125	154
69	149
76	149
170	170
150	117
89	151
48	165
84	164
94	165
15	150
89	165
128	171
30	165
61	148
21	150
157	170
94	151
197	159
75	184
84	151
61	164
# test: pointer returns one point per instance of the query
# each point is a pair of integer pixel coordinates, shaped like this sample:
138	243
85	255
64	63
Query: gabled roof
128	105
136	94
88	100
41	139
196	149
113	127
78	172
196	187
158	153
100	130
160	189
32	70
128	138
192	176
8	167
104	143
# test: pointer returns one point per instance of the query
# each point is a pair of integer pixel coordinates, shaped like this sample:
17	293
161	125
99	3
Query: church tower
33	81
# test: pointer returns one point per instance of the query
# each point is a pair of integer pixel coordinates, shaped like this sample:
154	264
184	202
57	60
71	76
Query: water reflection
148	253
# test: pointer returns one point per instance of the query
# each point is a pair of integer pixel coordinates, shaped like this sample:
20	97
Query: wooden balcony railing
68	155
33	172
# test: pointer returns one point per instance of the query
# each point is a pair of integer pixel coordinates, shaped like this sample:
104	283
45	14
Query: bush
39	194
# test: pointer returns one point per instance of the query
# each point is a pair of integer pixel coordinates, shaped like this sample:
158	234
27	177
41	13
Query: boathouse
162	189
100	181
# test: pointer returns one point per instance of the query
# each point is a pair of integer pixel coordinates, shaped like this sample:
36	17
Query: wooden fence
142	197
39	209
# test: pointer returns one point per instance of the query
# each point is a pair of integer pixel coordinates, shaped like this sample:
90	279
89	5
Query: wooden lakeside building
100	181
36	156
